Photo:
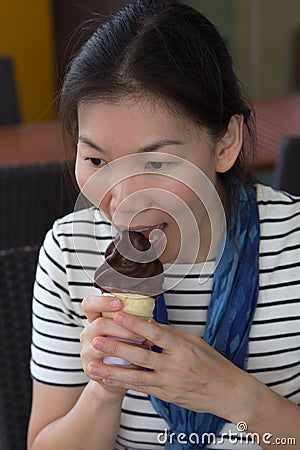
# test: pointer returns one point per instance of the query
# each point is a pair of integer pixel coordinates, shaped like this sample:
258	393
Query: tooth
154	235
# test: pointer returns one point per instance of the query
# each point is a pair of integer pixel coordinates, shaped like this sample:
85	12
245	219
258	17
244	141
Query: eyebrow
148	148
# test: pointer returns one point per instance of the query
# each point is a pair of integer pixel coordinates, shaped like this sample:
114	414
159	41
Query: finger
133	377
89	355
94	306
145	389
107	327
118	377
160	336
137	355
190	337
150	343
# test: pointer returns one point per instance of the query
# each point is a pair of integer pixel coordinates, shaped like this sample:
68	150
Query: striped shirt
75	247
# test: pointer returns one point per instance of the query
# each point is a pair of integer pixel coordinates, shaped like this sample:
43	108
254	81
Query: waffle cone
138	305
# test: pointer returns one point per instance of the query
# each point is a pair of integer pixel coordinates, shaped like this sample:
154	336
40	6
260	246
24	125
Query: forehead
136	114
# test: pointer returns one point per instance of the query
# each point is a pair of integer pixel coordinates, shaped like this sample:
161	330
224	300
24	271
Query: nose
127	198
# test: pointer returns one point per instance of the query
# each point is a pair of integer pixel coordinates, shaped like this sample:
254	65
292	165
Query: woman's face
142	166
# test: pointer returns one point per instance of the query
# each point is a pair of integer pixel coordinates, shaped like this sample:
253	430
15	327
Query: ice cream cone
141	277
136	304
139	305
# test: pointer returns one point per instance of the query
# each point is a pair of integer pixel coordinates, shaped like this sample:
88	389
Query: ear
229	146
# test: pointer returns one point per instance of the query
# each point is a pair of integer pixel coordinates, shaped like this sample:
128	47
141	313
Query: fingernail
98	344
94	370
115	303
120	317
109	381
139	338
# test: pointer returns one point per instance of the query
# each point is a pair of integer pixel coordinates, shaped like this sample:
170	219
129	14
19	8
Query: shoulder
279	263
74	247
88	219
79	228
273	203
279	213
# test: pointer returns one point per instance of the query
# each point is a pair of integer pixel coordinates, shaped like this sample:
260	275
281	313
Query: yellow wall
26	33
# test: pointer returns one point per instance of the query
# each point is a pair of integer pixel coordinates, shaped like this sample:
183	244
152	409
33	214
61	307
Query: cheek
88	183
80	174
80	181
185	209
177	198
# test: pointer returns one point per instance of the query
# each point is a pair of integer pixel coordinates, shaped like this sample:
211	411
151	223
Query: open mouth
152	233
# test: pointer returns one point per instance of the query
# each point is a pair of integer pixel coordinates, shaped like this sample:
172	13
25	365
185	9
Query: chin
168	257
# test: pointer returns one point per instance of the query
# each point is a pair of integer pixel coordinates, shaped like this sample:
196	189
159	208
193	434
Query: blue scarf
229	318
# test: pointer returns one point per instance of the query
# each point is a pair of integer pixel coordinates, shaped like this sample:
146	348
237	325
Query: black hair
169	50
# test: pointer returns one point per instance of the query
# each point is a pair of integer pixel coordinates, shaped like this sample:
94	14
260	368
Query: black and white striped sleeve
55	349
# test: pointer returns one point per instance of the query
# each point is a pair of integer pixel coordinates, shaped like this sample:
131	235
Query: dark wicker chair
31	198
287	170
16	281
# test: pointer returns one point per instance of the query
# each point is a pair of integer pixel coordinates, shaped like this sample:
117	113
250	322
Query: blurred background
263	36
36	41
264	39
38	37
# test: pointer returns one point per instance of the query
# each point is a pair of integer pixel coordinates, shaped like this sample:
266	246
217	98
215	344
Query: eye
95	161
155	165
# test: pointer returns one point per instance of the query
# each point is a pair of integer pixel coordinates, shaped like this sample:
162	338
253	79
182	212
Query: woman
156	111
